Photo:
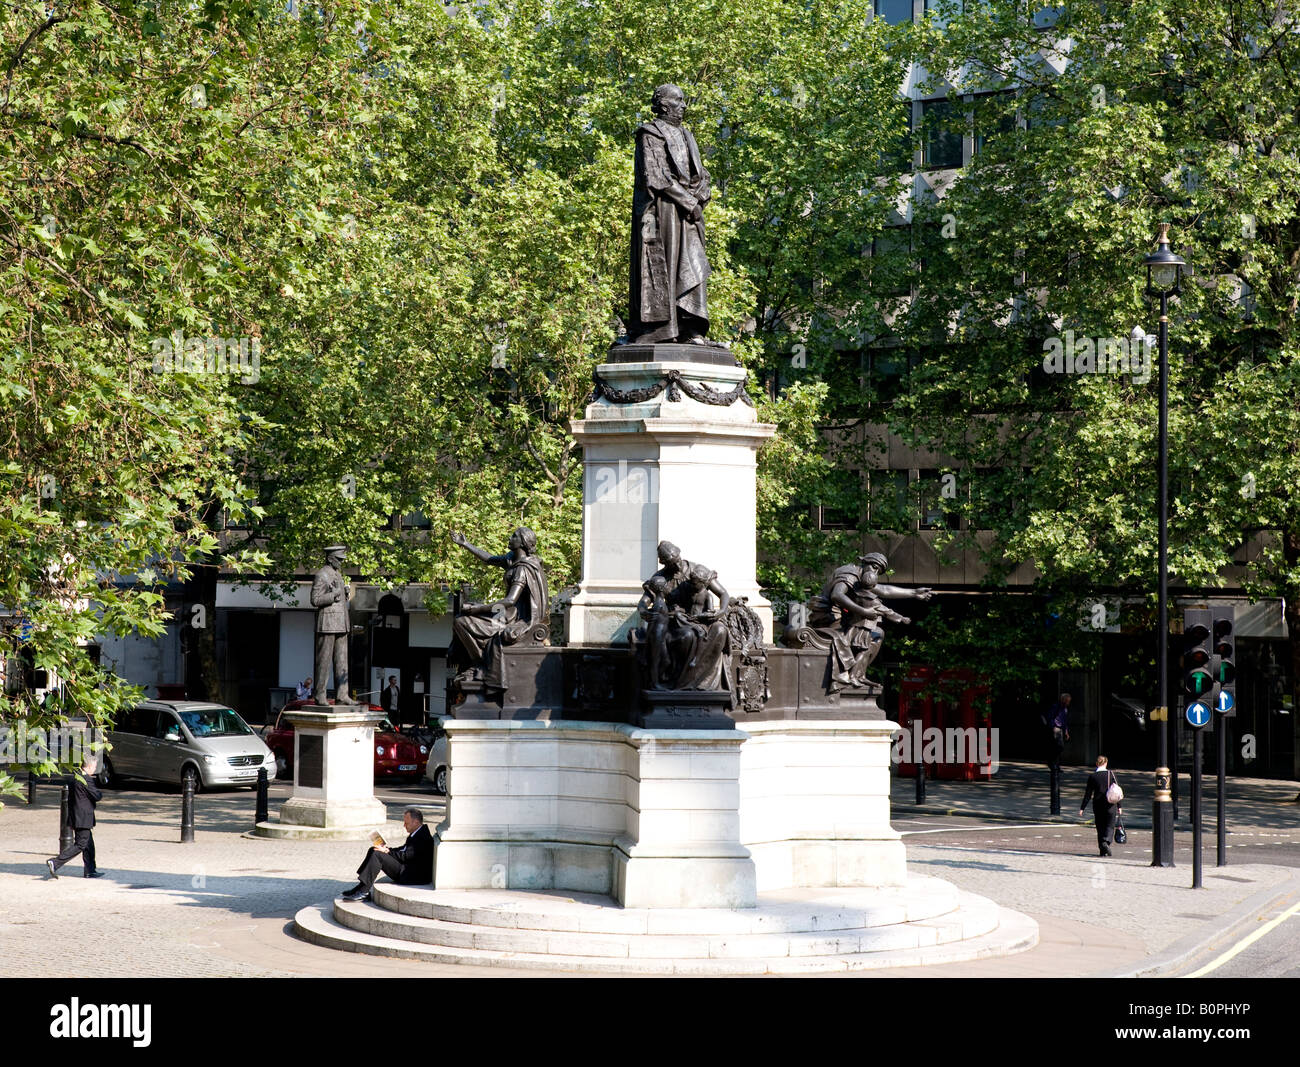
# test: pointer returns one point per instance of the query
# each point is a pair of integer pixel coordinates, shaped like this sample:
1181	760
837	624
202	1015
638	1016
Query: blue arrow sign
1225	702
1198	714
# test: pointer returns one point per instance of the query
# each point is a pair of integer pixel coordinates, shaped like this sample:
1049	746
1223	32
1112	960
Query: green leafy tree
146	159
1178	112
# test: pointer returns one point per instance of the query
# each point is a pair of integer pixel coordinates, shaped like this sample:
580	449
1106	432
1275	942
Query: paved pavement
222	905
1022	791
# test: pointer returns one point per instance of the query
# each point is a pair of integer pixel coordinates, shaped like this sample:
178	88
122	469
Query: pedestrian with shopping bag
1105	794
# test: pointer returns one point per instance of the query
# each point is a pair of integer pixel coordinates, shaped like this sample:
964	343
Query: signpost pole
1221	728
1196	807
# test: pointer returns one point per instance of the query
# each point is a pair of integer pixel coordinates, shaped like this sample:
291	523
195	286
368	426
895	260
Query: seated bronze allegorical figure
480	632
685	643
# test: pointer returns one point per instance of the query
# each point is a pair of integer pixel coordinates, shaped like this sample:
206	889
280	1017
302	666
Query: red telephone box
956	704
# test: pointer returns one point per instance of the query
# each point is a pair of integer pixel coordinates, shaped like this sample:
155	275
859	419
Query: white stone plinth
648	816
663	470
814	804
343	795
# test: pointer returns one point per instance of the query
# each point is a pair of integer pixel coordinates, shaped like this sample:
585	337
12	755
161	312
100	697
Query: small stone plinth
686	709
333	776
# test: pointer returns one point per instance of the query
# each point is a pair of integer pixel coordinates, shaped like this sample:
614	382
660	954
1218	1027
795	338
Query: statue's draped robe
669	268
698	653
482	636
854	639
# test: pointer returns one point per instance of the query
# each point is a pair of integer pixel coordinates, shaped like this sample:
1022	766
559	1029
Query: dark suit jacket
388	700
416	858
1098	783
82	798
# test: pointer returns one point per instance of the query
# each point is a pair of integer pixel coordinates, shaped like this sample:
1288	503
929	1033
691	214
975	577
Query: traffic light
1200	684
1223	661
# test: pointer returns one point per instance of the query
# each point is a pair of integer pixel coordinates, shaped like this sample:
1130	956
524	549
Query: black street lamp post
1164	270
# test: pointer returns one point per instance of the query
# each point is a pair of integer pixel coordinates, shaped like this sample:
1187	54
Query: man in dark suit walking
412	864
83	796
1103	811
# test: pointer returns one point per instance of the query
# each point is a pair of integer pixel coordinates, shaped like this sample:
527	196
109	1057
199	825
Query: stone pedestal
814	804
647	816
683	848
660	464
334	770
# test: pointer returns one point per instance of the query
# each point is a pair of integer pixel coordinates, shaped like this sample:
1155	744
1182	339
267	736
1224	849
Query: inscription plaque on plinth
686	709
311	761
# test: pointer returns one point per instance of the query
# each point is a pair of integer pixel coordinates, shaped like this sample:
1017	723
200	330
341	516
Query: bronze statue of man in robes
669	268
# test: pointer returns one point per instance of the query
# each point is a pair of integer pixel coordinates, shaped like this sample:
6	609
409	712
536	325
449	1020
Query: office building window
898	155
1042	112
942	134
993	119
937	493
891	264
842	507
887	500
894	12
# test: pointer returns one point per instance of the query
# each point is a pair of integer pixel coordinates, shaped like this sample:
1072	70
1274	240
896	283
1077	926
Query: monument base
814	804
644	815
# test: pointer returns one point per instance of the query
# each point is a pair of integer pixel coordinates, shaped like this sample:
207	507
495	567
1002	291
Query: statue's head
656	585
524	538
336	554
700	575
873	565
669	104
669	552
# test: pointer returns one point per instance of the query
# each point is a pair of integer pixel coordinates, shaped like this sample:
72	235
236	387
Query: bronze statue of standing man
669	268
329	596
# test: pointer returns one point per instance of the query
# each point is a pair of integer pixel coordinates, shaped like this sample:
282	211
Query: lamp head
1164	269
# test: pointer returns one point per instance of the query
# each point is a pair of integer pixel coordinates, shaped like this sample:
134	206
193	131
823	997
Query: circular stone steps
801	931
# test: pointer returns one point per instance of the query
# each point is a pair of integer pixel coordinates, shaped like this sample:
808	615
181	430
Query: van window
215	722
167	724
139	721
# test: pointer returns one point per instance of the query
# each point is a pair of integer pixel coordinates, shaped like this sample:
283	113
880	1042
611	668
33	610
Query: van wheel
440	781
108	779
192	772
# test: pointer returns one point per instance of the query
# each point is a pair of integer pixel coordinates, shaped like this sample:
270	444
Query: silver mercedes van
170	740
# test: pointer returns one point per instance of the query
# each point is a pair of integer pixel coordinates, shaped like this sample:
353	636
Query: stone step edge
937	901
1015	932
979	914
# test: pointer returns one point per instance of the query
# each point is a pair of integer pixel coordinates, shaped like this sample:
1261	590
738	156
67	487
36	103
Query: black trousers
1104	816
83	843
377	863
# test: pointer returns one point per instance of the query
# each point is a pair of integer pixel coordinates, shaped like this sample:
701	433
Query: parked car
436	770
171	740
396	754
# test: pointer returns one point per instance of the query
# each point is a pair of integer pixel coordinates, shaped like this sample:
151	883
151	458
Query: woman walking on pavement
1101	788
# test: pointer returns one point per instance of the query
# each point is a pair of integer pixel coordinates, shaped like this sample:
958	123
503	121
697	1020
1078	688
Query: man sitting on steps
412	864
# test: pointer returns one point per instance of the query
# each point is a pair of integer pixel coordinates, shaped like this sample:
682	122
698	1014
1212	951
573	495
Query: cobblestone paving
221	906
163	908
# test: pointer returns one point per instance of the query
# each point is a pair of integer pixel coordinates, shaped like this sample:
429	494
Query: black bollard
1056	790
31	787
920	781
66	834
187	810
263	787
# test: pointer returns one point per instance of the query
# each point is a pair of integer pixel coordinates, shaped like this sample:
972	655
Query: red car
396	755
